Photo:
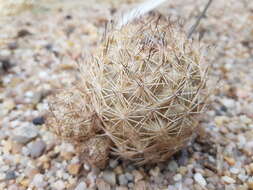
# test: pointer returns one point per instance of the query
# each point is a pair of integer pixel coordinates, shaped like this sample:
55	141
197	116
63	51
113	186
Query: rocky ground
37	53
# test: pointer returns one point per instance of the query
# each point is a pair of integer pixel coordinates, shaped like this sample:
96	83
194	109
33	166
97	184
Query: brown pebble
67	155
102	185
142	185
250	185
251	168
229	160
74	169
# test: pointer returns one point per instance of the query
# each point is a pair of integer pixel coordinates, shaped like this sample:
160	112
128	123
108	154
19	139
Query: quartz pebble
24	134
200	179
109	177
37	148
81	186
228	179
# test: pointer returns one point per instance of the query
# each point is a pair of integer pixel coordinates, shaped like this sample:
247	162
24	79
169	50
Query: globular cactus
142	91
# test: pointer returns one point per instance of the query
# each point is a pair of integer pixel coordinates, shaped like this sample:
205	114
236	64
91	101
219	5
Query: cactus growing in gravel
141	91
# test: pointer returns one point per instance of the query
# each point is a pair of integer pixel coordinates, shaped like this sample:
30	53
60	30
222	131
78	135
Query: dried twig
201	16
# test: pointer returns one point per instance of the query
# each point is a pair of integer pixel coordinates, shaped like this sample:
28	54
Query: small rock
59	185
122	179
81	186
200	179
7	106
24	134
250	185
74	169
22	33
137	175
86	167
10	175
67	155
39	121
229	103
129	176
141	185
118	170
37	148
251	168
113	163
102	185
109	177
177	177
188	181
13	187
121	188
38	181
229	160
228	180
172	166
155	172
234	170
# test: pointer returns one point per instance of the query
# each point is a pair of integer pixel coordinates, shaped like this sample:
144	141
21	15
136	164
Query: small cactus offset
141	91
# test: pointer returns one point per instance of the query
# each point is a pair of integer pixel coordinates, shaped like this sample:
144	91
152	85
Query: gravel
24	134
200	179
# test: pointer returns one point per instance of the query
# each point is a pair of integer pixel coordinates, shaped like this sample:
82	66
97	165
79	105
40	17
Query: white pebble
228	180
81	186
177	177
200	179
234	170
38	181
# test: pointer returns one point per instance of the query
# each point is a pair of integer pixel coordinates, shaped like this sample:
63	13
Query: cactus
142	91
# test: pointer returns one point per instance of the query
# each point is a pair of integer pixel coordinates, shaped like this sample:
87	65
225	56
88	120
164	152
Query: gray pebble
172	166
81	186
123	179
109	177
113	163
37	148
10	175
24	134
129	176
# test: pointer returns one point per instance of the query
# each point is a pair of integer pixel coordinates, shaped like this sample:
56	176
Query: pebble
13	187
129	176
230	160
113	163
38	121
251	168
38	181
137	175
155	172
200	179
59	185
177	177
74	169
81	186
109	177
10	175
102	185
228	179
250	185
172	166
122	179
234	170
24	134
37	148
